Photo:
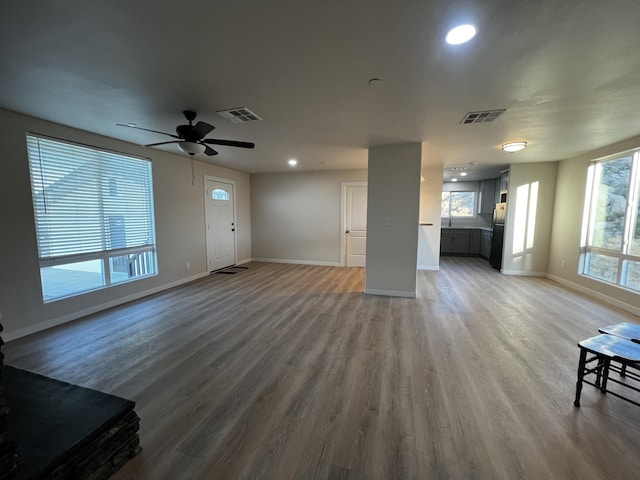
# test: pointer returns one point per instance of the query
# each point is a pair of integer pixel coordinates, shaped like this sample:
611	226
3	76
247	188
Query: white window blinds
88	200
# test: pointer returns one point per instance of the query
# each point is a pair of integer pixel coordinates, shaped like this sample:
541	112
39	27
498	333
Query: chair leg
581	364
605	374
599	365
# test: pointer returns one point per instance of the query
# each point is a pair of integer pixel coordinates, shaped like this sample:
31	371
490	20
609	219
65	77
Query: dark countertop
453	227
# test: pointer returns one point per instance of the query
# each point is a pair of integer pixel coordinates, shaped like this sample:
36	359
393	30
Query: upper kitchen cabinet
489	195
504	184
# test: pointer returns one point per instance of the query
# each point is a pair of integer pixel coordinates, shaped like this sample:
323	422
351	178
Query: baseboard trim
54	322
299	262
593	293
524	273
432	268
390	293
244	260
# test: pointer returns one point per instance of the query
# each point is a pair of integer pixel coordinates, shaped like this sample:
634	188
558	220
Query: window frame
452	192
143	262
632	200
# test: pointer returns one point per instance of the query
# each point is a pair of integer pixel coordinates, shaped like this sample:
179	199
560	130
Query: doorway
354	238
220	222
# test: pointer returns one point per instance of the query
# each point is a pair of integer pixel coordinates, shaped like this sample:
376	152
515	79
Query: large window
458	204
611	244
93	214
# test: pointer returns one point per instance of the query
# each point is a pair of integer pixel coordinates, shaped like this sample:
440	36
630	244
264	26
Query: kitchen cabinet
485	244
474	242
488	194
455	241
461	241
504	182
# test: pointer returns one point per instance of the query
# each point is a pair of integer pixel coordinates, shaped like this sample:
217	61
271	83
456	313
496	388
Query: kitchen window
93	214
458	204
611	225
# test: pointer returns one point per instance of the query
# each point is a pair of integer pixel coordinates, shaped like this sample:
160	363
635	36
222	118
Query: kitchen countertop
453	227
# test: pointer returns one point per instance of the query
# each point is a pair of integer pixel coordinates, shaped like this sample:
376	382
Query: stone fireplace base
63	431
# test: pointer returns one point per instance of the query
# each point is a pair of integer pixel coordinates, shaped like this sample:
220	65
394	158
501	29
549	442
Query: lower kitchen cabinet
454	243
461	241
485	244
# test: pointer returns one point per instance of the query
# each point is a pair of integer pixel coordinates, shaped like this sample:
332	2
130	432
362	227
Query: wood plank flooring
290	372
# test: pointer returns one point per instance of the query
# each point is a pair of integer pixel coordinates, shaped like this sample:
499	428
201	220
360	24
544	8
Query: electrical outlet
187	266
564	264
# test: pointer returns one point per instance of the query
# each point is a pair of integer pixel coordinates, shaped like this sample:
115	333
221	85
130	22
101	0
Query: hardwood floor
290	372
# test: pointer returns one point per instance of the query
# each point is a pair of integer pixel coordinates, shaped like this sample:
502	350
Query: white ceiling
568	73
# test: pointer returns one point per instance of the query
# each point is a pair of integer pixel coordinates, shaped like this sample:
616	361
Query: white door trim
343	217
235	220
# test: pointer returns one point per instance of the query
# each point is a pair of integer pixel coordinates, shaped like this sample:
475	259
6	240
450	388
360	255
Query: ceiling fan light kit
190	138
191	148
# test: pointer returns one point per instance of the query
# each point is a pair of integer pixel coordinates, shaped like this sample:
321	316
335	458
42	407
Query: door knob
347	231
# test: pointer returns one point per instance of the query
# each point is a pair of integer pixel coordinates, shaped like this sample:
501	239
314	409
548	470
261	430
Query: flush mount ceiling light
463	174
293	162
454	179
513	146
191	148
460	34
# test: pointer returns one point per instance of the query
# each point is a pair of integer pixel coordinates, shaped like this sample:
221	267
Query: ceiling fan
190	138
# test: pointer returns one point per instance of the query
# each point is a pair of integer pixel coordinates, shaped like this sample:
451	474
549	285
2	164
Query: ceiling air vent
239	115
483	116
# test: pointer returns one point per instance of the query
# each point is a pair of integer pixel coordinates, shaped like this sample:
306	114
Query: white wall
393	214
180	233
529	218
429	235
567	225
296	217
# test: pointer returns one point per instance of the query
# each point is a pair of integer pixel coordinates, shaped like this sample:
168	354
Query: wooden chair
604	349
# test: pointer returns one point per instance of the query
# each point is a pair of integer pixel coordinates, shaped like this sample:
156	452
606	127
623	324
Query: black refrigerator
497	235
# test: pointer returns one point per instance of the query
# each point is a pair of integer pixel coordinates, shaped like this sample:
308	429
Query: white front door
220	224
356	225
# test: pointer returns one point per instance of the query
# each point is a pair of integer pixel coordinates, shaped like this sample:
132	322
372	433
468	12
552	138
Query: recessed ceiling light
463	174
513	146
460	34
454	179
375	81
293	162
131	124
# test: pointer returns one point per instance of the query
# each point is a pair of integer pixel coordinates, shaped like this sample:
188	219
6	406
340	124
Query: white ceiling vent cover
484	116
239	115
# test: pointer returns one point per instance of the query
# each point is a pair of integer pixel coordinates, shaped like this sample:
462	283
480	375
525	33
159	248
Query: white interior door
356	225
221	229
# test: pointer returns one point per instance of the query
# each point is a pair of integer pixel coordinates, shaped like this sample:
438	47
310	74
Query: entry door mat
64	431
231	270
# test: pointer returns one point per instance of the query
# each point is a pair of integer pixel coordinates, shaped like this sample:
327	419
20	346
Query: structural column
393	211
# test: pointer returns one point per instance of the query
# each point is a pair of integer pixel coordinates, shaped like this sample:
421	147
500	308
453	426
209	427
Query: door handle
233	229
347	231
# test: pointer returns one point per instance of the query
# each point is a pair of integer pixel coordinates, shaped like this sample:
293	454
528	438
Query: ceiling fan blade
161	143
228	143
210	152
201	129
146	130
